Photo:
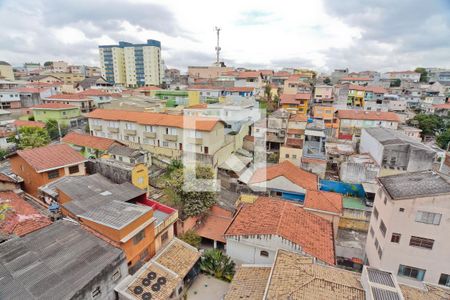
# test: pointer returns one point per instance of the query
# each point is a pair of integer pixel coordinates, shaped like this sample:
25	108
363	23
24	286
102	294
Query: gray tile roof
53	263
124	151
417	184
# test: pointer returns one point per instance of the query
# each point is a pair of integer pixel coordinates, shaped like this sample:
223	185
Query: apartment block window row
383	228
428	217
395	238
421	242
375	213
411	272
444	279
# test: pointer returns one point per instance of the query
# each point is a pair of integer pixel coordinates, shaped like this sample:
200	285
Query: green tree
396	83
31	118
430	124
443	139
327	81
3	153
217	264
53	131
174	165
192	238
423	74
32	137
191	197
48	64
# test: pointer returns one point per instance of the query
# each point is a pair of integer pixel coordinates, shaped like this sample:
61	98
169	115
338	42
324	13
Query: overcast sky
359	34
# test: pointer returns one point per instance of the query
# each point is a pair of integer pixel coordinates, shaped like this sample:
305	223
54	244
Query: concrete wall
435	261
358	173
371	145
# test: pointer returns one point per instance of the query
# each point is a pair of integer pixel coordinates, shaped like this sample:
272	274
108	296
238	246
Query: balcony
196	141
150	135
129	131
97	127
113	129
170	137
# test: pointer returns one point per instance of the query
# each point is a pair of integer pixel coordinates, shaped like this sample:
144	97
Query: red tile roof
445	106
355	79
271	216
148	88
288	170
298	118
239	89
21	217
54	106
249	74
72	97
294	98
204	87
282	74
30	90
86	140
324	201
94	92
295	131
24	123
215	224
266	72
373	89
295	143
51	157
158	119
353	114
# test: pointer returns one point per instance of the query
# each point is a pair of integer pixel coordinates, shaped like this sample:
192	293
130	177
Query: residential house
374	98
251	79
280	77
327	205
21	218
296	103
441	110
258	230
294	276
363	81
166	276
296	84
64	261
243	91
108	209
89	146
164	135
84	103
395	152
9	183
208	71
323	93
402	75
409	228
351	122
337	74
274	130
42	165
283	180
212	228
94	82
411	132
32	95
293	146
65	114
45	78
326	113
314	152
100	97
120	152
10	99
6	71
69	79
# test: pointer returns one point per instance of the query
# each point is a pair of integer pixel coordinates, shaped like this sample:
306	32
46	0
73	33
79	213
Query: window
130	126
144	254
401	209
165	144
375	213
287	156
97	292
444	279
74	169
428	217
206	150
116	276
164	237
150	128
376	243
380	252
383	228
421	242
372	232
139	237
395	238
294	156
385	200
53	174
411	272
264	253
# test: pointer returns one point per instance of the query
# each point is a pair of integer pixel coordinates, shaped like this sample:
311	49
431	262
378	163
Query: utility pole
218	47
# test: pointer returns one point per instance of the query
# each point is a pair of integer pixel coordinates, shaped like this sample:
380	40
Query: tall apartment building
409	228
132	64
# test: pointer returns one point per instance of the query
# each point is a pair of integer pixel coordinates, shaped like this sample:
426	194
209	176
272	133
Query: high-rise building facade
132	65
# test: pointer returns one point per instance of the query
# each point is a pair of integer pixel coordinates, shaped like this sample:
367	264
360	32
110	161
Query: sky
323	35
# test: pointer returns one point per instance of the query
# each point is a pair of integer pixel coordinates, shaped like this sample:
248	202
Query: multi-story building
163	134
65	114
408	233
9	99
60	67
6	71
132	64
350	122
297	103
83	102
402	75
323	93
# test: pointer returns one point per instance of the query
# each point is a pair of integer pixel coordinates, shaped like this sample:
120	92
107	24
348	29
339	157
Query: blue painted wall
355	190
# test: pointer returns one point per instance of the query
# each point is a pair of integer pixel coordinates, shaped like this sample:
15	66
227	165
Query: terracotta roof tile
271	216
295	131
249	74
54	106
355	79
249	282
158	119
86	140
215	224
239	89
282	74
294	98
353	114
31	89
445	106
51	157
94	92
78	96
148	88
288	170
298	118
21	217
293	142
24	123
324	201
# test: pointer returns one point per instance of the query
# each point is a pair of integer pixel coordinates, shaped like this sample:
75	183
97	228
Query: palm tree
217	264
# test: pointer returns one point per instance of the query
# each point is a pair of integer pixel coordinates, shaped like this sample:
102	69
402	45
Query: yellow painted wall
139	176
193	97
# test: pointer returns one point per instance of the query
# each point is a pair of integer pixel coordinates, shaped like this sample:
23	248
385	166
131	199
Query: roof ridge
281	217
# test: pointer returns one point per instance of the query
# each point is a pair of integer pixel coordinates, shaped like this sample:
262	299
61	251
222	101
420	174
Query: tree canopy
395	83
191	238
192	197
443	139
32	137
217	264
53	131
327	81
430	124
423	74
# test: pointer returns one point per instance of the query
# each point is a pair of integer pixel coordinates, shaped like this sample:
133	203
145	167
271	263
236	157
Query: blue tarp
355	190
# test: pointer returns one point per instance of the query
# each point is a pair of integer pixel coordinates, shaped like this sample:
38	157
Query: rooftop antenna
218	47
